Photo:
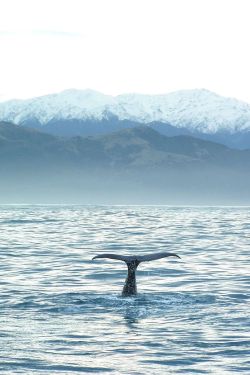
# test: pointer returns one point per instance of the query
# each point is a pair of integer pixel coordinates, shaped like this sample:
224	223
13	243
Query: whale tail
136	258
130	288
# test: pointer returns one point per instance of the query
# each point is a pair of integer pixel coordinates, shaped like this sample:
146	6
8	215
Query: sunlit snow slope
199	110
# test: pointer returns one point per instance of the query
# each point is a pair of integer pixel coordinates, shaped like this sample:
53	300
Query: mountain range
134	165
131	148
197	113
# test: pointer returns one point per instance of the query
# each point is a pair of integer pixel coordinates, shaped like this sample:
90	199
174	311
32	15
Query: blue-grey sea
62	313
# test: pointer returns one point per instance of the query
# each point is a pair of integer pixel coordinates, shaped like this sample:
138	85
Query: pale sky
121	46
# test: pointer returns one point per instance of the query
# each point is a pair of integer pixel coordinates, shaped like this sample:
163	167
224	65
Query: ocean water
63	313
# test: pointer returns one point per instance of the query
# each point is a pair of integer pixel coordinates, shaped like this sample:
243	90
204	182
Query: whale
132	262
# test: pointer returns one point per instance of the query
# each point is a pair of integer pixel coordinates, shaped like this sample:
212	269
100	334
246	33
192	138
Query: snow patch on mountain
200	110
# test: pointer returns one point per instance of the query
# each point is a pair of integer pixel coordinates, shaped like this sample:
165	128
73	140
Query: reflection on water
62	313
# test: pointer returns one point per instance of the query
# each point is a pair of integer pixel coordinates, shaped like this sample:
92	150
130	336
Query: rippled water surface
63	313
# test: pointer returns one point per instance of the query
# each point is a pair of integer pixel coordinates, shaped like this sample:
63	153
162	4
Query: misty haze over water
101	187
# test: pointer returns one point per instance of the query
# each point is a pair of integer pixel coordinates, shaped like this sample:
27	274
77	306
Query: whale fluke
133	262
149	257
124	258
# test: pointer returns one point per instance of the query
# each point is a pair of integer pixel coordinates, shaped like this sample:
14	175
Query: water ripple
63	313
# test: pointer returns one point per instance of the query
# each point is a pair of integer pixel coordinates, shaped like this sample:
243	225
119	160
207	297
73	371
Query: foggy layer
100	186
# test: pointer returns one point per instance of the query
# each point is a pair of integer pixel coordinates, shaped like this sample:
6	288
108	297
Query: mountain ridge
200	113
135	146
197	109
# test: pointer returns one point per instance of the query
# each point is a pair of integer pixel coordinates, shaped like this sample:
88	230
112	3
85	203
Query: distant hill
135	147
136	165
199	113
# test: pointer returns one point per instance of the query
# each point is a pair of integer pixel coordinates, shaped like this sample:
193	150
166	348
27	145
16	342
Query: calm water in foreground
63	313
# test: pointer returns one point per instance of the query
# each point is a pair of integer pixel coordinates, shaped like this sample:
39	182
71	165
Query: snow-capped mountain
69	104
197	111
